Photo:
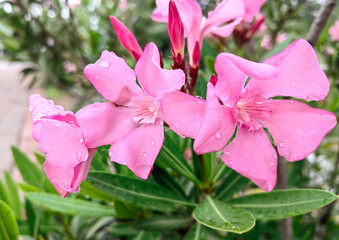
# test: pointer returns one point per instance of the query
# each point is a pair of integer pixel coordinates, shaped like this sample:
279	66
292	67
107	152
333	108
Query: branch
320	21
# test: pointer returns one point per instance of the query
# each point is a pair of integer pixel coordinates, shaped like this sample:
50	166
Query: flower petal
183	113
252	7
300	74
153	79
66	180
225	11
217	127
139	149
102	123
112	78
251	154
63	143
297	128
225	30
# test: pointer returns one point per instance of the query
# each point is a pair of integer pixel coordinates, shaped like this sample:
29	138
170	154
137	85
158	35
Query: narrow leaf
13	195
222	216
70	206
90	190
8	226
284	203
197	232
163	222
29	171
137	192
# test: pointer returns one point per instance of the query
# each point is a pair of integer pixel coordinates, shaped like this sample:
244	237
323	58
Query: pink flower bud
126	38
175	30
196	56
214	80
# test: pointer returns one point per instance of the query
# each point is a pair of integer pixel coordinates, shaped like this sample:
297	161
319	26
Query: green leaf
32	218
90	190
8	226
222	216
284	203
13	194
29	171
40	158
28	188
163	222
4	194
143	235
70	206
125	210
177	162
232	184
197	232
137	192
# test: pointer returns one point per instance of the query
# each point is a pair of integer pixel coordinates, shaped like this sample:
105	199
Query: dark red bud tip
214	80
196	55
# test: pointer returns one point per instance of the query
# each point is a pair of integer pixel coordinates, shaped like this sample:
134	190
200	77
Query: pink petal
217	127
101	123
251	154
139	149
183	113
252	8
297	128
300	74
66	180
160	14
126	38
63	143
225	30
225	11
153	79
112	78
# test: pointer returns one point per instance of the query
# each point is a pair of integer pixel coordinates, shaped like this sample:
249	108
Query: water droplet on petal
144	154
81	155
81	140
96	77
103	63
230	163
272	164
227	153
218	135
281	144
31	108
57	124
198	99
292	102
153	143
140	138
293	84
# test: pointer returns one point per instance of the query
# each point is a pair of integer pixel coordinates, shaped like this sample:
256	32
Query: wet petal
217	127
252	155
300	74
153	79
297	128
63	143
183	113
102	123
252	8
139	149
112	78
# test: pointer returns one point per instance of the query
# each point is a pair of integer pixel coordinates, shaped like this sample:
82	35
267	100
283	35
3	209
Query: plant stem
320	21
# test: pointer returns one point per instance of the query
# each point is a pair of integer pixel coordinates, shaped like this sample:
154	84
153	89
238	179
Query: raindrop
227	153
292	102
281	144
96	77
272	164
218	135
198	99
161	123
57	124
31	108
293	84
103	63
230	163
81	155
153	143
144	154
81	140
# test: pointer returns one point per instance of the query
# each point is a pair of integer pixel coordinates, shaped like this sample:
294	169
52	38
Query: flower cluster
242	100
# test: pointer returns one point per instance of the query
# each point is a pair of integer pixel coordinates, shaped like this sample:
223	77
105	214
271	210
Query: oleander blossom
297	129
132	120
334	31
68	159
220	22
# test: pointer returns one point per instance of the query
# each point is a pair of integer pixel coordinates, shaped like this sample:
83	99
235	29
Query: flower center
250	108
144	108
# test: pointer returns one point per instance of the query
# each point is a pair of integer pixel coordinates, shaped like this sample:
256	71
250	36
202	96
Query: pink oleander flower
196	26
68	159
132	122
252	8
126	38
297	129
334	31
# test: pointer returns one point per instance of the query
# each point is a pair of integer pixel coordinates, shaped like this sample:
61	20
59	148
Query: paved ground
15	121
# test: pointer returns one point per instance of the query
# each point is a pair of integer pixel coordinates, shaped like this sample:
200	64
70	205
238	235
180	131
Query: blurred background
45	45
